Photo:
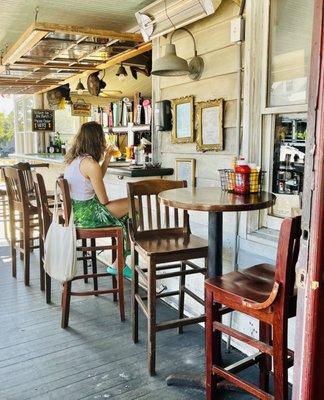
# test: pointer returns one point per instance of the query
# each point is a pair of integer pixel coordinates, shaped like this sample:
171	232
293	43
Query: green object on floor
127	271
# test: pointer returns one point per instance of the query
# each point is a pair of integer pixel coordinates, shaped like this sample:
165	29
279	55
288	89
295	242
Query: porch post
309	340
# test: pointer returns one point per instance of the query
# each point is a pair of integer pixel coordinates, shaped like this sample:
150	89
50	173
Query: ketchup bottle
242	174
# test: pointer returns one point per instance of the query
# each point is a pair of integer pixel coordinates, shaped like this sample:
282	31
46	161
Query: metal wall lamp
172	65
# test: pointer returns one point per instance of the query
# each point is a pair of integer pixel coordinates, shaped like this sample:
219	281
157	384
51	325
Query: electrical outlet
237	30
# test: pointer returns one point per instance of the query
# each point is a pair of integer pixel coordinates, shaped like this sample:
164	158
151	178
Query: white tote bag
60	261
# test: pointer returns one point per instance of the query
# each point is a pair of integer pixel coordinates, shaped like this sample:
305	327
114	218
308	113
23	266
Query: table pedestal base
194	381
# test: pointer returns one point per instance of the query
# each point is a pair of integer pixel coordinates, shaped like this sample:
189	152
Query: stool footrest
261	346
179	322
193	295
94	292
241	383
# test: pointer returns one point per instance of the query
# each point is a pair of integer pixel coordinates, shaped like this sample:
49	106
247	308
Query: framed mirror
183	120
209	116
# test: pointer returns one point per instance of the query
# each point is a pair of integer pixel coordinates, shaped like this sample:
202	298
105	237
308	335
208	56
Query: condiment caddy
243	178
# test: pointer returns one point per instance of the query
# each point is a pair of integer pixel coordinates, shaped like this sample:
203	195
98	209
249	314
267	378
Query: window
288	162
289	51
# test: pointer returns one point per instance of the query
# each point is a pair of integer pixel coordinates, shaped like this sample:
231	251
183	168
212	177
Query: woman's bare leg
118	208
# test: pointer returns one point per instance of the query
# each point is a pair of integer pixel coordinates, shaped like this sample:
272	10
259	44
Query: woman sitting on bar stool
91	205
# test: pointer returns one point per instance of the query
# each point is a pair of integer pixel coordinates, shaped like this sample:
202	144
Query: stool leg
182	283
265	361
48	285
21	243
120	266
13	242
151	336
280	360
211	353
113	258
41	265
66	297
26	244
84	261
134	285
94	264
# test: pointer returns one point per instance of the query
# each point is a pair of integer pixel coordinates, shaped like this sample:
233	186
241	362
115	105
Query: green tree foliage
6	128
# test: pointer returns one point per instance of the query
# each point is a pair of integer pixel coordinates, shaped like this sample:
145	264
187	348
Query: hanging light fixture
121	73
80	88
172	65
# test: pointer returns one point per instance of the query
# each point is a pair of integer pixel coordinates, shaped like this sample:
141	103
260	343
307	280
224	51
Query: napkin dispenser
163	116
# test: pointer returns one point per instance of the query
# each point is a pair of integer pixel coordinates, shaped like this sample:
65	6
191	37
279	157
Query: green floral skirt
92	214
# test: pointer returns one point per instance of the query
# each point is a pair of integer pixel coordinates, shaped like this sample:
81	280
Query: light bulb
80	92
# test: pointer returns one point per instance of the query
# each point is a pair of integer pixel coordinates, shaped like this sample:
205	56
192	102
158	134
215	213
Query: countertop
120	168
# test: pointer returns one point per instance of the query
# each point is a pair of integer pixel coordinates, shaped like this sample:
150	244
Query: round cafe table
215	202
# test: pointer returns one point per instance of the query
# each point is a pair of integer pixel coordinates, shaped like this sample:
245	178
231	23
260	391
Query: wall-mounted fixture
172	65
80	88
163	16
121	73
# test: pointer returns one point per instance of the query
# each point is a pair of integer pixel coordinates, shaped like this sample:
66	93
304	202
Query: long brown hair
89	140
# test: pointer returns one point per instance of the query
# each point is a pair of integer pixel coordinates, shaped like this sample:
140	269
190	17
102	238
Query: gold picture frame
183	120
185	170
209	115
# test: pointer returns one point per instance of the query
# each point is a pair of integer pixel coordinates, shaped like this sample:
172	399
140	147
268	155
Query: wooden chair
23	218
263	292
159	242
116	235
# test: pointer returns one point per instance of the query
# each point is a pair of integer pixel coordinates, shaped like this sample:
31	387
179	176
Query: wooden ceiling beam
33	64
86	31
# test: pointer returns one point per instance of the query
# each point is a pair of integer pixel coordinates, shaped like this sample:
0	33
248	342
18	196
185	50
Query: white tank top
80	187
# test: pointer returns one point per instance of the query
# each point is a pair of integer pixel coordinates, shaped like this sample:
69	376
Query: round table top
215	200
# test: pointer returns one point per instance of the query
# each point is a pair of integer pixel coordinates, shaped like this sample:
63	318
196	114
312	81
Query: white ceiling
17	15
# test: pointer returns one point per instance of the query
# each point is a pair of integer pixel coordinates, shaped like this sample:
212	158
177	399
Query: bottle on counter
242	177
63	149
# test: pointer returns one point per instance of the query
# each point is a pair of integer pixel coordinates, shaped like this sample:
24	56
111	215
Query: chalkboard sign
42	120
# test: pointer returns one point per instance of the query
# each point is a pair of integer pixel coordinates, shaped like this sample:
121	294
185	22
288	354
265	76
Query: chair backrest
44	213
16	189
64	192
287	255
25	167
148	215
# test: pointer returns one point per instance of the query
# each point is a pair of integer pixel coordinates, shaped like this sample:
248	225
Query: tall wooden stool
116	234
23	218
264	292
161	242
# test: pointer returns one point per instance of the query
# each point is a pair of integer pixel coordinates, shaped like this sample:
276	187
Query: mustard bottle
231	175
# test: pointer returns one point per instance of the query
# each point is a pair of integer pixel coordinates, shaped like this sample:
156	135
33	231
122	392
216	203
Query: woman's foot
111	269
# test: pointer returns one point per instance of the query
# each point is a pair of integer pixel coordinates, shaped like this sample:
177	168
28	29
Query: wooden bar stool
159	242
263	292
23	218
115	233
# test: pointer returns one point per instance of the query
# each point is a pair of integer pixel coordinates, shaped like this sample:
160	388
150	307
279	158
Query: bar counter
119	168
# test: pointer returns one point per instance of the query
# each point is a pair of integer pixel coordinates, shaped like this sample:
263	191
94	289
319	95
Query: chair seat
172	244
254	283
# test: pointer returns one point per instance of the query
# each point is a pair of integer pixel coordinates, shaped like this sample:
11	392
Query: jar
242	177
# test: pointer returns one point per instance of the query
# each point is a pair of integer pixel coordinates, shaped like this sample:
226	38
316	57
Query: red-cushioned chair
264	292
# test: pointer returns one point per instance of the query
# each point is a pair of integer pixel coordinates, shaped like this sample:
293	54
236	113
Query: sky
6	104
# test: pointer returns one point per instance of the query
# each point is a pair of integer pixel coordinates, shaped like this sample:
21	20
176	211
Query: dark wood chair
264	292
23	219
115	233
161	242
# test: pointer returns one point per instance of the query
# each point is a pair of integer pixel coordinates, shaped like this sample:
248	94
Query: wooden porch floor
95	357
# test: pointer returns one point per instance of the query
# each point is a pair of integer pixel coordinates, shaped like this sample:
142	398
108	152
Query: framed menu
42	120
210	125
183	124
